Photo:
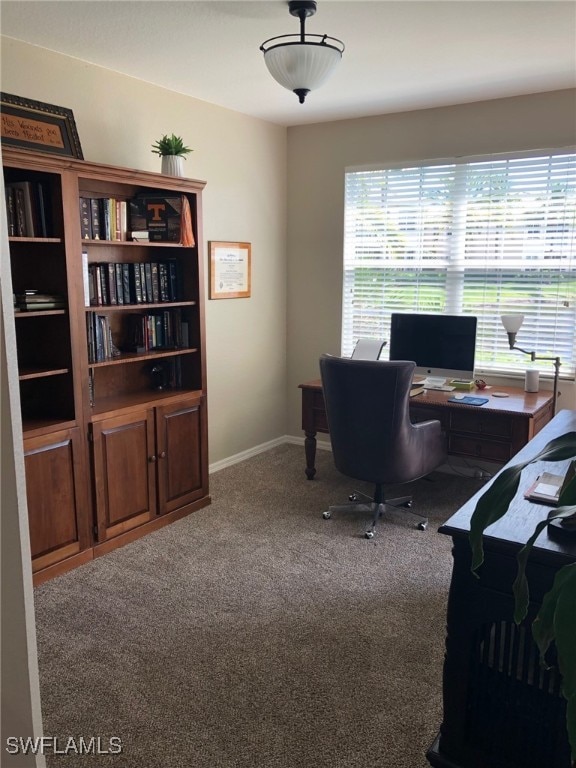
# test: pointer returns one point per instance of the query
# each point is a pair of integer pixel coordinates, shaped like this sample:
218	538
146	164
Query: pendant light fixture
302	62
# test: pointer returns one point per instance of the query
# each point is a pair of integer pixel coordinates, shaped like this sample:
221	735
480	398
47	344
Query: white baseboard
247	454
455	466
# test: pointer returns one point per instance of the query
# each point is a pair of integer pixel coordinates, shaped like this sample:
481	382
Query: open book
548	487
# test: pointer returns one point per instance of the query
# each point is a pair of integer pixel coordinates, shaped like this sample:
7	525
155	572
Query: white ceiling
400	54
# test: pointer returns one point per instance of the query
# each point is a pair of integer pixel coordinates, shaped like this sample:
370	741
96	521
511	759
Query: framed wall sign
230	270
29	124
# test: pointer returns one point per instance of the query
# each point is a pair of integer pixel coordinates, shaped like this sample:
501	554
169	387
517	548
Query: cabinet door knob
152	459
162	454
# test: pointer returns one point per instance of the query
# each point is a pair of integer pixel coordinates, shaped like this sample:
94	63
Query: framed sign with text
230	270
29	124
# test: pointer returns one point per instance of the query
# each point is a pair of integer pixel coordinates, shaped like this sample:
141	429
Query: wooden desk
501	709
492	432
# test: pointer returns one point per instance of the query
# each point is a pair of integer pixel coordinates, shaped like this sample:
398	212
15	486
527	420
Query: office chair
372	436
368	349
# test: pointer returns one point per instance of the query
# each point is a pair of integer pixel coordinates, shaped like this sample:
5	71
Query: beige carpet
255	634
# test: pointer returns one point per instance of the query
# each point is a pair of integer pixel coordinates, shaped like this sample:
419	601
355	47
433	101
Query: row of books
144	218
163	329
112	283
101	346
103	218
27	209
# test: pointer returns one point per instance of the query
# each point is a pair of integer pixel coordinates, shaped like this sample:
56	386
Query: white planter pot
173	165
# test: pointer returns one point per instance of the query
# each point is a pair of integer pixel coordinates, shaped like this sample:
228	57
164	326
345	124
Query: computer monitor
442	346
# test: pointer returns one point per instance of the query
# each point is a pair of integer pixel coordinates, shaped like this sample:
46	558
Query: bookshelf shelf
39	427
42	373
132	307
91	428
133	402
132	243
46	240
136	357
39	313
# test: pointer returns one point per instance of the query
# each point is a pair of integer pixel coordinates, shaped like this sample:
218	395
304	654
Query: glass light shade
301	65
512	323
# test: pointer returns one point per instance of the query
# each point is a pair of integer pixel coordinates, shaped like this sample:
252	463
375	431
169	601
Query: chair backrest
367	406
368	349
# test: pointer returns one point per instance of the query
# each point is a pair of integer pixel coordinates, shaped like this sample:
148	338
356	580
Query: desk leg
310	451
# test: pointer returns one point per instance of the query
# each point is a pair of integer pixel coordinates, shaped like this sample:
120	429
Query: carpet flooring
256	634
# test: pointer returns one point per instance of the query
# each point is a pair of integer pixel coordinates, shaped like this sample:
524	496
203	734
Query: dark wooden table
494	432
501	709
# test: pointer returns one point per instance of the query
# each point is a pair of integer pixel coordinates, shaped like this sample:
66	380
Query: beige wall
243	161
317	157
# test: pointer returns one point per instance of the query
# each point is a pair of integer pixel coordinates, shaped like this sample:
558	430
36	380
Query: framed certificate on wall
230	270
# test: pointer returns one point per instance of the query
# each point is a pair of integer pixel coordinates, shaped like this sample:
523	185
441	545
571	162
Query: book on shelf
119	285
553	489
86	279
85	218
10	210
103	218
35	301
26	209
44	222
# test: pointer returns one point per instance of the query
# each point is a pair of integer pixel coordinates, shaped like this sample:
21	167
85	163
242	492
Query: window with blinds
485	237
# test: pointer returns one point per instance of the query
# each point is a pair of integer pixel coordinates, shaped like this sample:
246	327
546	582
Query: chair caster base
422	525
327	515
369	535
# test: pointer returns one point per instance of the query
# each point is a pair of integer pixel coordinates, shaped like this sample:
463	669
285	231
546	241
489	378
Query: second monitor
442	346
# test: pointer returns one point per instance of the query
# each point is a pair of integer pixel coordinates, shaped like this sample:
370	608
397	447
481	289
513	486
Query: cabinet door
182	461
57	507
124	472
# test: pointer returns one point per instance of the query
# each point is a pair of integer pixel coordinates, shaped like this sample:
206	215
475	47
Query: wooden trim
153	525
49	572
62	553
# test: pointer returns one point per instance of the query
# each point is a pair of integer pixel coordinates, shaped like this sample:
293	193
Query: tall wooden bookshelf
112	385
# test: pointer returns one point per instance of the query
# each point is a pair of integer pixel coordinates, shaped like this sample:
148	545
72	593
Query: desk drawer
479	448
479	423
419	413
319	412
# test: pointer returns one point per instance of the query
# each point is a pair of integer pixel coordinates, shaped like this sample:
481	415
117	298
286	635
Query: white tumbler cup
532	381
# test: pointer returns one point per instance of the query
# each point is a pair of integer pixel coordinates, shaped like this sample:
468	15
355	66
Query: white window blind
484	237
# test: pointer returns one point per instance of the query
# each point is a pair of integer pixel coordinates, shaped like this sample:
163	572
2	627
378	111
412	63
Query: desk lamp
512	325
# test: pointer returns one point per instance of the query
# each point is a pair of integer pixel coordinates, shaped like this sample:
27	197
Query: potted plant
173	151
556	619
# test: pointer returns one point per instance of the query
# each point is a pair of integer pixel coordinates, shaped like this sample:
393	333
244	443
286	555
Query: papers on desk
549	488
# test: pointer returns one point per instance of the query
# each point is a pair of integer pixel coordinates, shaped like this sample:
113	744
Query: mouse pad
469	400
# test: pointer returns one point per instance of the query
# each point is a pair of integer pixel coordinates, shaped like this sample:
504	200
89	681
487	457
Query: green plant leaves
491	506
170	145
